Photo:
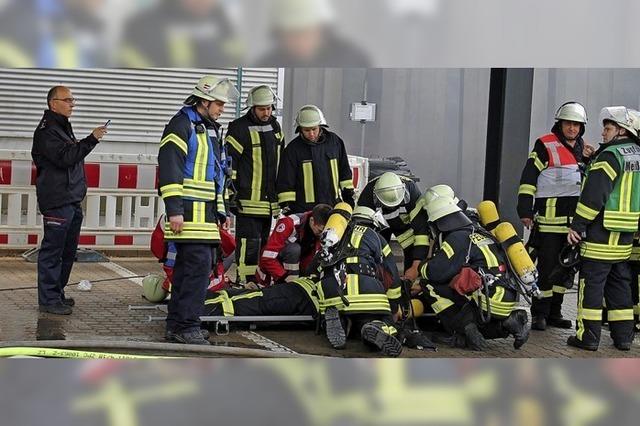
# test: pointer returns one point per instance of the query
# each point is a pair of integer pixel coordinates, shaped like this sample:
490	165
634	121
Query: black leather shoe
538	323
622	346
188	338
576	343
57	309
559	322
68	301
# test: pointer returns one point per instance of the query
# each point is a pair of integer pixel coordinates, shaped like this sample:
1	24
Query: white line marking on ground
266	343
123	272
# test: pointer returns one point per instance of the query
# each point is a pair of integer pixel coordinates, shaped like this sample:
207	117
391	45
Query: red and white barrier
121	207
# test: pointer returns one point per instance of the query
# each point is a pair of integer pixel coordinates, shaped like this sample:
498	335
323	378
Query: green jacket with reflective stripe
609	206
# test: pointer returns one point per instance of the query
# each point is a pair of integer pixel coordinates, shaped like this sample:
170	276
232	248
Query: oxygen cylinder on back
520	261
489	217
336	225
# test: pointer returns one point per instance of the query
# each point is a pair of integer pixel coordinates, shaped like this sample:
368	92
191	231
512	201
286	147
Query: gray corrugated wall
434	118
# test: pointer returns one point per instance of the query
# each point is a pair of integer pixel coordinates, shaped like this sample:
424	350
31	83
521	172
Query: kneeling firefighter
466	281
360	285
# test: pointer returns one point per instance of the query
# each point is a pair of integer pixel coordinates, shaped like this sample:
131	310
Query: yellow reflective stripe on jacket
600	251
307	175
497	305
202	156
227	305
199	185
198	212
353	284
536	161
526	189
358	303
256	152
346	184
234	143
406	239
441	303
492	260
193	231
605	167
621	220
586	212
284	197
249	295
173	138
333	163
421	240
171	190
394	293
256	207
386	250
447	249
550	209
199	194
553	229
356	236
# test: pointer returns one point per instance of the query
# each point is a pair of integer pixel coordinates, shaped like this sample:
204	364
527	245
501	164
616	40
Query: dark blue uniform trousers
57	251
189	286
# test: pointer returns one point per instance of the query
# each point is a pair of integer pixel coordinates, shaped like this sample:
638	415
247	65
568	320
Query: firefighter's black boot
516	325
335	331
474	338
374	333
576	343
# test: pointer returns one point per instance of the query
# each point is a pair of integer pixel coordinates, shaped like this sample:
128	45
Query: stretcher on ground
221	323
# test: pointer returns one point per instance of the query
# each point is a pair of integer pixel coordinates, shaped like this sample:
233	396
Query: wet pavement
102	314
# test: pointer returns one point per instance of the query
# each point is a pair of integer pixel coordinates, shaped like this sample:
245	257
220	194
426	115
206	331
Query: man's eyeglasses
67	100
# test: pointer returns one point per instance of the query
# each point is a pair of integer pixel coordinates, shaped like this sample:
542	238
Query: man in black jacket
254	142
314	167
60	188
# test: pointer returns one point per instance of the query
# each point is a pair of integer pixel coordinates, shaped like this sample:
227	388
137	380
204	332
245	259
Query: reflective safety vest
622	210
562	176
203	177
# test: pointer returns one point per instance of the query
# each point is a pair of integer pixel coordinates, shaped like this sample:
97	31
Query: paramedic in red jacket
292	245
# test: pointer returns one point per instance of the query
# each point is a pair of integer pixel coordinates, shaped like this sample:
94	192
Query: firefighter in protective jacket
604	225
464	244
402	207
191	184
314	167
547	197
360	287
254	143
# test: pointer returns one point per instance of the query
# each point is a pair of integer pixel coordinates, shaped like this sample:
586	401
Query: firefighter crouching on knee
360	286
401	204
606	220
466	280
